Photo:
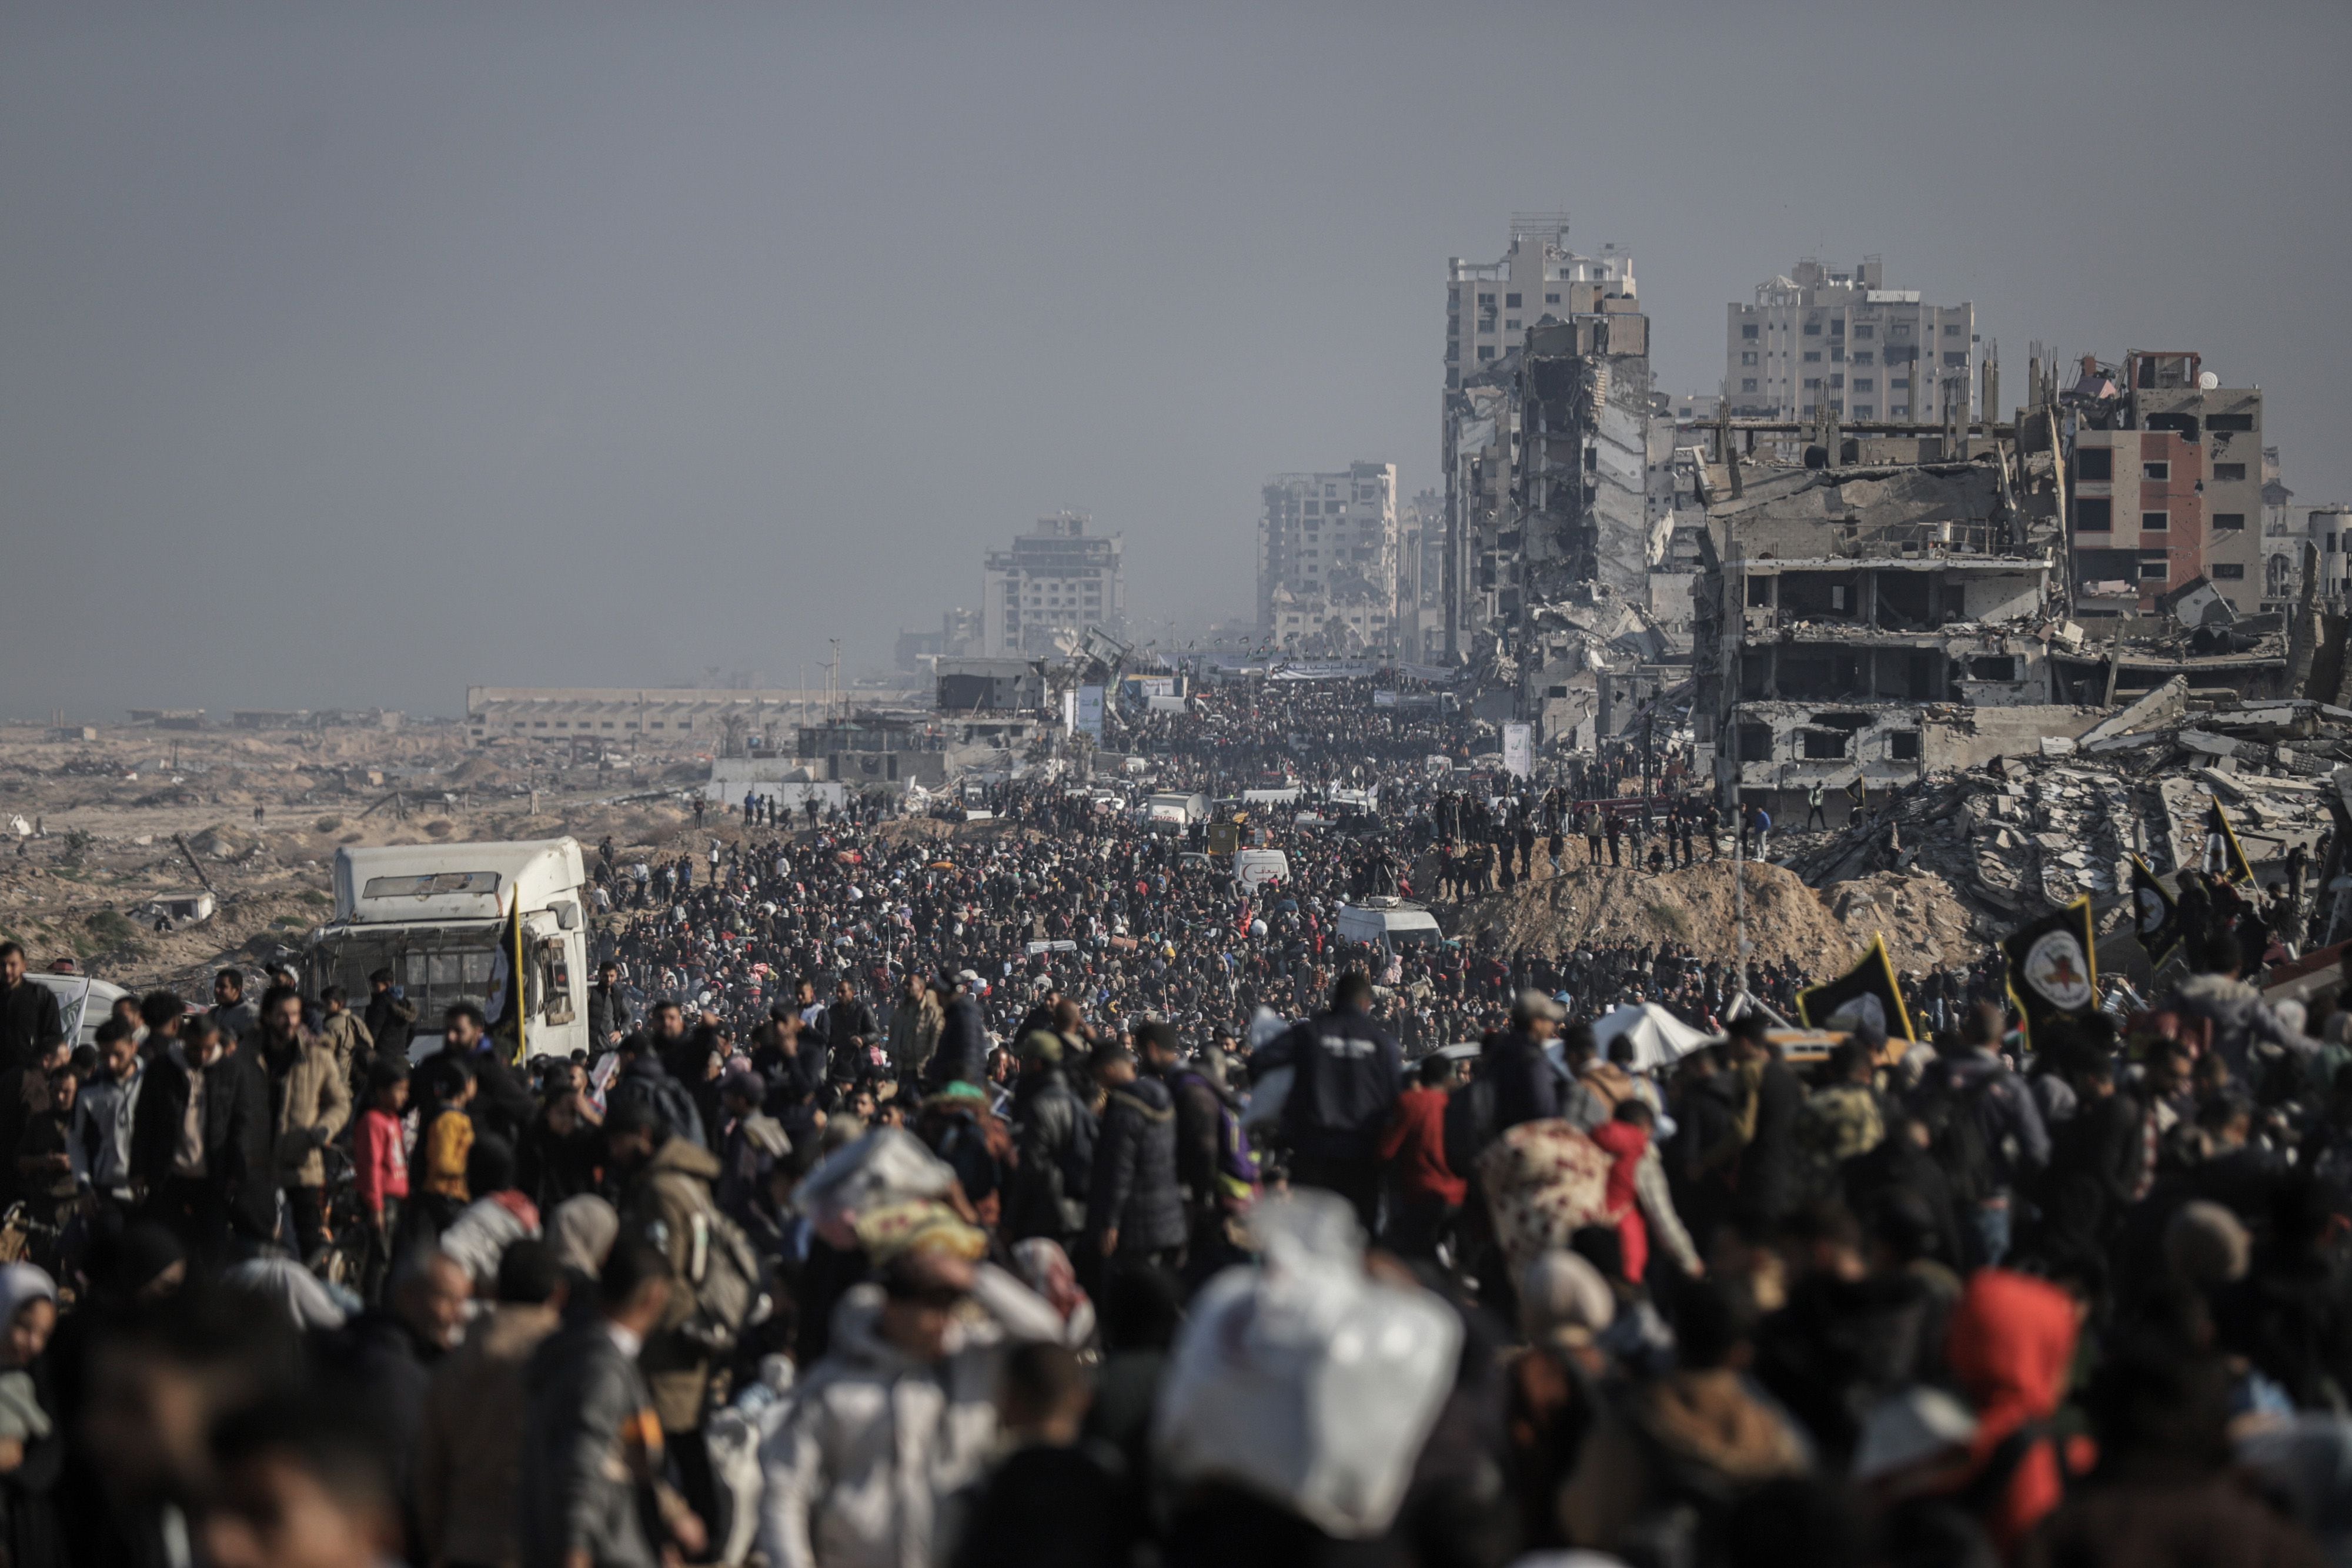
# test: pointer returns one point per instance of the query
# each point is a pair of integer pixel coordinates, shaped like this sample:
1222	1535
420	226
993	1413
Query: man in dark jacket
1054	1135
387	1355
1525	1085
1346	1075
609	1016
1199	1122
1768	1174
502	1107
589	1488
29	1020
201	1143
1133	1210
849	1023
962	1053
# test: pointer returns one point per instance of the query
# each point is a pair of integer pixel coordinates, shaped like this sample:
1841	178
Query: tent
1660	1039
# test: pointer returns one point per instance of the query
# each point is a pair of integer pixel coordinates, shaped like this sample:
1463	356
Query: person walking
1346	1074
311	1094
590	1486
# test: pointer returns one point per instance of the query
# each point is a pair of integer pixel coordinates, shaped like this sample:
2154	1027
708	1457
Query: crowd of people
1034	1195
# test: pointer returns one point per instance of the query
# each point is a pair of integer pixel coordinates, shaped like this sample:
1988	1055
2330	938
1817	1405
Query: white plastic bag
886	1165
1304	1381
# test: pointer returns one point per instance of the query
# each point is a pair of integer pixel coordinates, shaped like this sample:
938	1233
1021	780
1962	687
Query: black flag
508	1000
2156	913
1864	994
2052	972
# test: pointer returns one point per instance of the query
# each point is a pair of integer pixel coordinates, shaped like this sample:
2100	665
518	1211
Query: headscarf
1563	1300
22	1284
582	1233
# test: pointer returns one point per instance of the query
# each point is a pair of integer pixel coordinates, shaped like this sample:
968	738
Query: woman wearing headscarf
32	1450
1555	1384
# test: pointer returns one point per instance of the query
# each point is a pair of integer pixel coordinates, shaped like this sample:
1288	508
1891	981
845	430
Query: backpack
1238	1177
1469	1123
1960	1144
722	1268
668	1100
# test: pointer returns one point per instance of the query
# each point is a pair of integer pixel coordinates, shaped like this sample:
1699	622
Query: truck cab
436	915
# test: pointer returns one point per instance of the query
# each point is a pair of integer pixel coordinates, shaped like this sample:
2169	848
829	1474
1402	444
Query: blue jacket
1346	1075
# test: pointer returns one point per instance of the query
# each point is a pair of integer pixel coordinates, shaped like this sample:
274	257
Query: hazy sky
351	354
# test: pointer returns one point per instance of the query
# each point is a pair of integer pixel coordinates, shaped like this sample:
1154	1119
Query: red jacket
1415	1140
381	1158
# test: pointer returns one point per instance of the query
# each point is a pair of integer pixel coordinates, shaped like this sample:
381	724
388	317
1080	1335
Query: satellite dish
2207	380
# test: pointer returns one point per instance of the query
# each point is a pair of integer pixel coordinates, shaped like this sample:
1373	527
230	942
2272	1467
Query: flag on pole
508	1003
2156	913
1866	994
2053	967
2222	838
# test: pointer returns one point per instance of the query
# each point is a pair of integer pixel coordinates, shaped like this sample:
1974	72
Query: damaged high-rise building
1552	446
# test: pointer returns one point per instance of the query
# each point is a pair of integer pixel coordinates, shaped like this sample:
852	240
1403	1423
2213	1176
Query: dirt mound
478	770
222	842
1787	921
1924	921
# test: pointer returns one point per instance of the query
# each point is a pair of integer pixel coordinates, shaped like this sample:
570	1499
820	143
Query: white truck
1390	923
436	915
1175	808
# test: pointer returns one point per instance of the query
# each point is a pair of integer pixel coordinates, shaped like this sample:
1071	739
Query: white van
1252	869
1390	923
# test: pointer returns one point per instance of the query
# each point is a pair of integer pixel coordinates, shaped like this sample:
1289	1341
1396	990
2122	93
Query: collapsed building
1883	619
2027	832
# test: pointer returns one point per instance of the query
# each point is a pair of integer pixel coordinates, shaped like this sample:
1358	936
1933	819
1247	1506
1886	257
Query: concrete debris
2023	834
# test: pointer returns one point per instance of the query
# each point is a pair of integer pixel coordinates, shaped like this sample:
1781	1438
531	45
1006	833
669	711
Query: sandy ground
107	810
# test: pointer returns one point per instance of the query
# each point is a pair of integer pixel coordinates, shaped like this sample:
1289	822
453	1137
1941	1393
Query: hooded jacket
660	1207
1053	1137
2010	1347
1134	1182
875	1437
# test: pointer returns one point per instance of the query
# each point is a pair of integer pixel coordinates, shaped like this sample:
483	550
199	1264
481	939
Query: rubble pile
2020	835
1692	908
1925	922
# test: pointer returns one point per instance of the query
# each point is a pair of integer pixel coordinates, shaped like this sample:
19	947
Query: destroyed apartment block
1560	479
1886	622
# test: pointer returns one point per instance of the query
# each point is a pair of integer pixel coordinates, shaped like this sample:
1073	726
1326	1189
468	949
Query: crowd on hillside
1033	1196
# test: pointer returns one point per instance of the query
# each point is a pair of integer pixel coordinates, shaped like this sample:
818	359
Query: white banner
1519	749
